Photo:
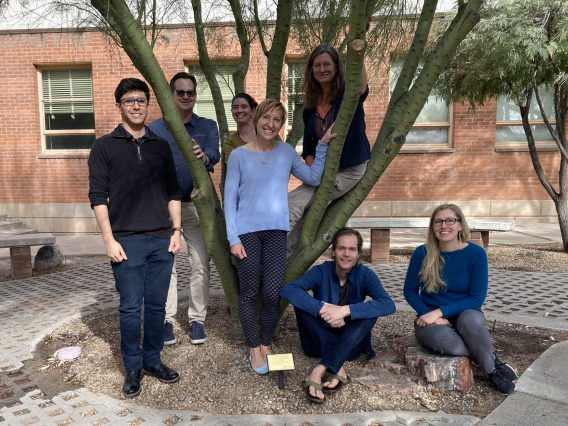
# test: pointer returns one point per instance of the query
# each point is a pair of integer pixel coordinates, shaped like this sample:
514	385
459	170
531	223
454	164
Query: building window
67	108
295	94
510	133
432	129
204	107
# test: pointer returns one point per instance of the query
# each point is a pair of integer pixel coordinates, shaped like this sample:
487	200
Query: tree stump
443	372
409	368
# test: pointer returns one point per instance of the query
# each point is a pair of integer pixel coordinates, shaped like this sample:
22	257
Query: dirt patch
217	378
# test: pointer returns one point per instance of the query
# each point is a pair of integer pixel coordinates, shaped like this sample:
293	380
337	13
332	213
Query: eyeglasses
450	221
189	93
129	102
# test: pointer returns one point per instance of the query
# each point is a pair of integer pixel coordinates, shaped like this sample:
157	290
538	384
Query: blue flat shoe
259	370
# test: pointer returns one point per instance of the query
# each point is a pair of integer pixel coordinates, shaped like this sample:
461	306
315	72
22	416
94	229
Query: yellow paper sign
280	362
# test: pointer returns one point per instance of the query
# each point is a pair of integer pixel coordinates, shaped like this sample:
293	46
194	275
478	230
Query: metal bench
380	231
20	252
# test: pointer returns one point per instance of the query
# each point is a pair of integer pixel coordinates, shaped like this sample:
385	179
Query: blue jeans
143	277
334	345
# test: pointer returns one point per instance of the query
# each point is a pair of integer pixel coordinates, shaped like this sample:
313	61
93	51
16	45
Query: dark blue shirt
466	273
205	133
324	283
356	149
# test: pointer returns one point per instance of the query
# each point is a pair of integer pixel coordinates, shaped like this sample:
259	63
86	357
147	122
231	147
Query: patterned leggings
269	249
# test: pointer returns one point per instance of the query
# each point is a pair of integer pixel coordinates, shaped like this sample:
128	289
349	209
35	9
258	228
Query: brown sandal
317	386
339	386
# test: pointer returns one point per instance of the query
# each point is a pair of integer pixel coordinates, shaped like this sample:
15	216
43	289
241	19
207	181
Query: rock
401	344
377	378
48	257
391	361
408	367
447	373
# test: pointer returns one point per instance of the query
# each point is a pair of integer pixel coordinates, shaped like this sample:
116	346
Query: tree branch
546	121
525	110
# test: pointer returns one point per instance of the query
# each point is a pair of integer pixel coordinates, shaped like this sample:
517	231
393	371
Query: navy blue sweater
356	149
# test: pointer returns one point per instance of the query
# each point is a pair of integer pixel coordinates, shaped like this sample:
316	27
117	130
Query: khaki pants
301	198
198	267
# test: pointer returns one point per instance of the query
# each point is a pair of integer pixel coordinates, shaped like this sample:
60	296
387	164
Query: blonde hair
266	106
431	272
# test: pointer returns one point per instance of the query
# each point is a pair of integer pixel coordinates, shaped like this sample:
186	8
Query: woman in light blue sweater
446	284
256	214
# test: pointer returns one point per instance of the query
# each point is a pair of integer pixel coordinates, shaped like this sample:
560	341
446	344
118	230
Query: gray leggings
468	336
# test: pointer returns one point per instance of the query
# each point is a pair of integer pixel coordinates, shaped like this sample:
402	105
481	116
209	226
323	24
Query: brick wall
32	180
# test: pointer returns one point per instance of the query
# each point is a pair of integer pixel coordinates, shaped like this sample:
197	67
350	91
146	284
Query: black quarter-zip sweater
136	179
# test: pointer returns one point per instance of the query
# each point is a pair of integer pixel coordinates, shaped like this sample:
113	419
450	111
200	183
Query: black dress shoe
131	388
162	373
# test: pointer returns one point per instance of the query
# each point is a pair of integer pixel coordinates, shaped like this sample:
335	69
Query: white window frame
426	147
535	120
296	77
295	66
49	152
204	96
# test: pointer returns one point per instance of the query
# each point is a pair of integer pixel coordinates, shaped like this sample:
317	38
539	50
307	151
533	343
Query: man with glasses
136	198
205	137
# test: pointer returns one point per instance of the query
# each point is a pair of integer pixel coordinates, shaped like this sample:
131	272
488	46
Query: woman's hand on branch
328	135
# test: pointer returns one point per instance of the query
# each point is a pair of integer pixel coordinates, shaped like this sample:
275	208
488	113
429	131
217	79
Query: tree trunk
404	107
562	212
239	74
136	46
559	197
205	65
278	49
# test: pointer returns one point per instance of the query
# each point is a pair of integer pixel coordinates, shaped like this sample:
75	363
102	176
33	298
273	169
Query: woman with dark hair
243	106
446	284
256	214
324	89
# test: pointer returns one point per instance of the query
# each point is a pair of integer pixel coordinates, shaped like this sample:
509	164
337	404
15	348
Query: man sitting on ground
335	324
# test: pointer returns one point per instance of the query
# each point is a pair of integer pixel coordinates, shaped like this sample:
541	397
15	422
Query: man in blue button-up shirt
335	323
205	137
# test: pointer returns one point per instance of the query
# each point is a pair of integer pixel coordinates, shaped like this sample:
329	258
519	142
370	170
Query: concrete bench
20	252
380	231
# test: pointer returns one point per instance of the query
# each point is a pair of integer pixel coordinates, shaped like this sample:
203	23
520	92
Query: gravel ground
216	376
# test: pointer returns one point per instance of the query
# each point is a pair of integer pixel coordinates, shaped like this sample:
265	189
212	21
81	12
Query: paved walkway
31	308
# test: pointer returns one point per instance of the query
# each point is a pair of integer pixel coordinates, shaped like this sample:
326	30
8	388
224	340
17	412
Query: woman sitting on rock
446	283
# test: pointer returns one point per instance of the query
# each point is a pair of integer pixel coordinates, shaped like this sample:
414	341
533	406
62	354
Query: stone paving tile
529	297
15	384
84	408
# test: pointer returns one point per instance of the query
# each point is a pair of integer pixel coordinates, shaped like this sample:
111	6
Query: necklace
323	119
263	157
